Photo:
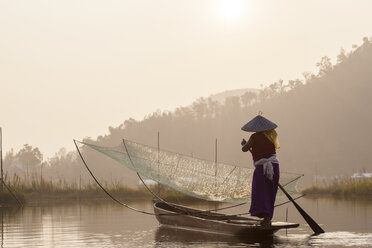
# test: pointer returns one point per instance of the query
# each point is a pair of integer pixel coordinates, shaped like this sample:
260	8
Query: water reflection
170	235
341	239
166	236
108	225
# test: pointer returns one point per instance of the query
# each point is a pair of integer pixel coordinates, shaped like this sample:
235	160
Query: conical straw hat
259	124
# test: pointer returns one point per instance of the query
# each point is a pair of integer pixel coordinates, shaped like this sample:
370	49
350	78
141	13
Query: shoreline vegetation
342	187
45	192
40	191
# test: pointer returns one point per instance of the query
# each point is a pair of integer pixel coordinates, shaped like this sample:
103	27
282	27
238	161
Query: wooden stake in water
27	171
158	162
286	219
1	158
41	174
158	144
215	159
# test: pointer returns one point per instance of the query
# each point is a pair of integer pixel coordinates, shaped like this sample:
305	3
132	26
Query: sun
231	9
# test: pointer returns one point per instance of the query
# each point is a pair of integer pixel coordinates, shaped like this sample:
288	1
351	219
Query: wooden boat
169	234
211	222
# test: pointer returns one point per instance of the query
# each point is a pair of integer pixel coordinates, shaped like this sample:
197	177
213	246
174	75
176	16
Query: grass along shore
40	191
343	187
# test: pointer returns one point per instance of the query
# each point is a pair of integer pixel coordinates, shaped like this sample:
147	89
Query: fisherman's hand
243	142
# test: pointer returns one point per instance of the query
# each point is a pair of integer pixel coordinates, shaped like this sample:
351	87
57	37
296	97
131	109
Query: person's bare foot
266	222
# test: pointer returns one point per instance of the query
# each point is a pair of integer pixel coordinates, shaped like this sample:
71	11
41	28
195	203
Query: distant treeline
323	121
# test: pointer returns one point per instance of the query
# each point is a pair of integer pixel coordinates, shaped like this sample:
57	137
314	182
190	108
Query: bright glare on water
347	224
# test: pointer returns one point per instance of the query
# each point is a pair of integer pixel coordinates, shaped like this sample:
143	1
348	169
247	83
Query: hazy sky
69	69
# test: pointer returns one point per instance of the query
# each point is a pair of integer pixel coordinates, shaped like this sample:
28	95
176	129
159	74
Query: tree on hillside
200	107
294	83
64	166
280	86
214	107
342	56
232	104
29	157
11	165
309	76
247	98
10	159
325	66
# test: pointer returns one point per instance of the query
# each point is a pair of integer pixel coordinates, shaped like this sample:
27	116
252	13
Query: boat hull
193	219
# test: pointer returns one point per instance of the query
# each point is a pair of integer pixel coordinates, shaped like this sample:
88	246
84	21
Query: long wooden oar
313	225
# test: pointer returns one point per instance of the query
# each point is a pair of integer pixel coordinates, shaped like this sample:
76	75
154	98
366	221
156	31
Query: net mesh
196	177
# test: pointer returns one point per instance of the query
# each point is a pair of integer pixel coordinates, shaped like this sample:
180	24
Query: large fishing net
196	177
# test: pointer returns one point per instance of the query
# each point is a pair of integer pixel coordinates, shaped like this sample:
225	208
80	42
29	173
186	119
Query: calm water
347	223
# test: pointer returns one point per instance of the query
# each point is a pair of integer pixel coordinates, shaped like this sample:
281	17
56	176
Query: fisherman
263	144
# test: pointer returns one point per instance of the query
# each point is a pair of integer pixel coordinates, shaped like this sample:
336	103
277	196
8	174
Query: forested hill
324	124
221	97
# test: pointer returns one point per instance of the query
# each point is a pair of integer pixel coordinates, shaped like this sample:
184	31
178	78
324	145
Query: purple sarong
263	192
